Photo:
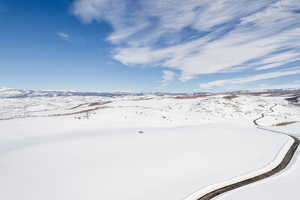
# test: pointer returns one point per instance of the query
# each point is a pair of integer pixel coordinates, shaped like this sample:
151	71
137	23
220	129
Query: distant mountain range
20	93
261	91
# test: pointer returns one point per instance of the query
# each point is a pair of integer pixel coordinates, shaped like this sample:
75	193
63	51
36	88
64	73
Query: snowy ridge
162	109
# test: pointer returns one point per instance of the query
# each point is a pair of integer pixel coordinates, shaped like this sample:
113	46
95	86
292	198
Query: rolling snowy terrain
134	146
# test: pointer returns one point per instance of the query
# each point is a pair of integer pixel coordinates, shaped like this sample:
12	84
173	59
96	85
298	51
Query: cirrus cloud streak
200	37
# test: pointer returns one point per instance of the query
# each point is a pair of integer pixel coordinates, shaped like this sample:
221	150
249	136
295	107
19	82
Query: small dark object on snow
141	132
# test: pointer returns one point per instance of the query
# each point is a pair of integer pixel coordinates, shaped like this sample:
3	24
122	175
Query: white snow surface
149	147
282	186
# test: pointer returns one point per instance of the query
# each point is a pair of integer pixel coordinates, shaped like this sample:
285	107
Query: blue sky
158	45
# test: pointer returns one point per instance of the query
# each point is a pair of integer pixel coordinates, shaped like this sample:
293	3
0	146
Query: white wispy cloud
63	36
278	60
167	77
199	37
247	79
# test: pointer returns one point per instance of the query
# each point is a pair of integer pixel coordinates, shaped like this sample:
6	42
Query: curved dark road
281	166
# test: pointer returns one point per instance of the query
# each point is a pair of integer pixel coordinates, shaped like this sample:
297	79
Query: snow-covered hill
57	145
166	109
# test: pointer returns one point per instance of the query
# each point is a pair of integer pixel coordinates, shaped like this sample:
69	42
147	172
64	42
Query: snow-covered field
282	186
138	147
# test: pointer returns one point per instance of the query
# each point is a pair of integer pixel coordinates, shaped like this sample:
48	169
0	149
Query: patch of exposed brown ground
142	99
285	123
191	96
99	103
83	104
230	97
78	112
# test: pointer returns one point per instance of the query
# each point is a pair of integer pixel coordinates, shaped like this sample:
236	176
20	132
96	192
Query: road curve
281	166
284	163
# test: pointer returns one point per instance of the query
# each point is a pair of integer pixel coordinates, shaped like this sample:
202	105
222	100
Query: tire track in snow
281	166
